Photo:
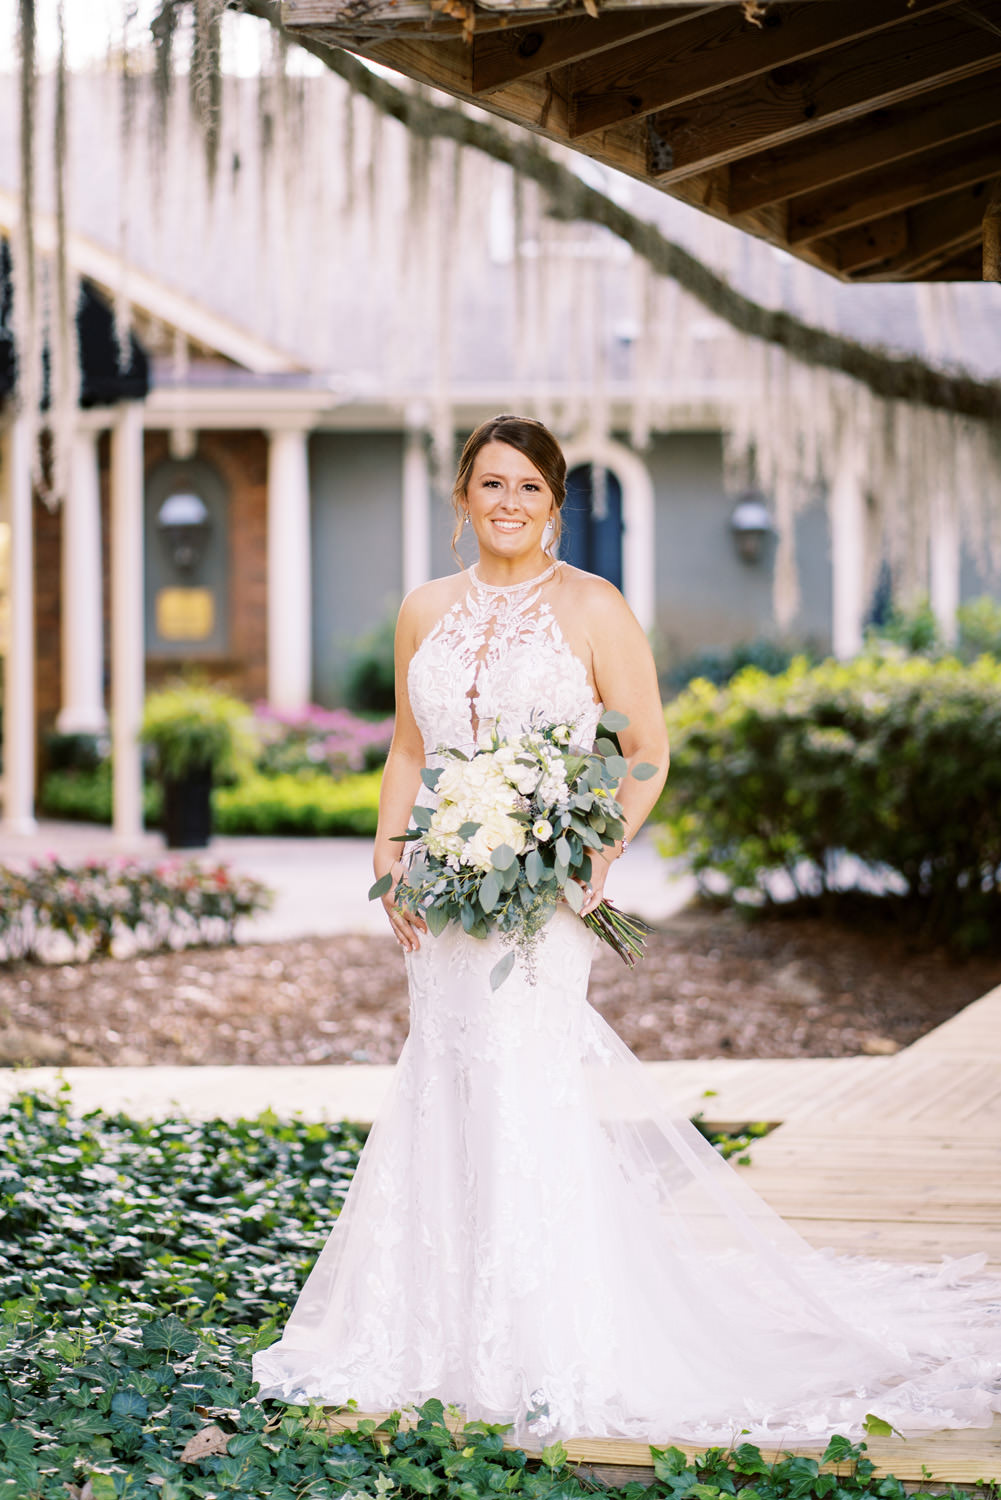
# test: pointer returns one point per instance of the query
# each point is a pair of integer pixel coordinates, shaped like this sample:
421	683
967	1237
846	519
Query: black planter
187	809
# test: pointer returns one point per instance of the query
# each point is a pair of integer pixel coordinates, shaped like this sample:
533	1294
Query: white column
19	689
289	593
944	565
846	508
127	624
82	710
416	502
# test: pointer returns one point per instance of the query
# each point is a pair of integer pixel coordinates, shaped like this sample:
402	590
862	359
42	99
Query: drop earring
465	519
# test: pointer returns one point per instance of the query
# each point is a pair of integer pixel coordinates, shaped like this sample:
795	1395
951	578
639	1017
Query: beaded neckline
513	589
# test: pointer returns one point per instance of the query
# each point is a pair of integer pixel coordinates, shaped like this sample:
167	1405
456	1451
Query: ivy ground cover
142	1264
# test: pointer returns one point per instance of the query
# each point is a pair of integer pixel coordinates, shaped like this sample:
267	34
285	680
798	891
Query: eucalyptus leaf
645	770
503	856
422	817
489	891
534	867
430	776
437	918
613	720
617	766
381	886
501	970
574	895
468	829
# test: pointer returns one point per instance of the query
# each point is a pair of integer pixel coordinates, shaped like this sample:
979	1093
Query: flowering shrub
172	904
333	740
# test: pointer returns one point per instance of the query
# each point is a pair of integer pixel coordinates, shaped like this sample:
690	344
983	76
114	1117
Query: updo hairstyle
538	445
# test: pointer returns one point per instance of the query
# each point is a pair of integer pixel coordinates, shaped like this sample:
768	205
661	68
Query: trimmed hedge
894	760
303	804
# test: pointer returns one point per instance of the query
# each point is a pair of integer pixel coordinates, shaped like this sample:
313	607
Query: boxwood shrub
304	803
895	760
299	805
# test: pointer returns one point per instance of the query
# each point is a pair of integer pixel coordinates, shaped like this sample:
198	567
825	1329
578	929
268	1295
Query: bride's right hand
405	925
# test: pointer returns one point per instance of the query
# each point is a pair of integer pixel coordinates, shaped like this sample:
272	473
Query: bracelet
625	846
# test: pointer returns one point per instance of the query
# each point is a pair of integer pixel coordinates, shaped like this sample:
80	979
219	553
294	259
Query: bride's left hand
595	889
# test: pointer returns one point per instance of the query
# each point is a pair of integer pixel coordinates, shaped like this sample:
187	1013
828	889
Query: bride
529	1235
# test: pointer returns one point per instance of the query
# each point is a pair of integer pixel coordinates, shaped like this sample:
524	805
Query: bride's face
509	502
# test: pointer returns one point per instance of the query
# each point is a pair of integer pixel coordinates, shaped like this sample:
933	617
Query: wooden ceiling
863	136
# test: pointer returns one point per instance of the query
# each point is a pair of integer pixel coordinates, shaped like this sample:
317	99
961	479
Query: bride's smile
509	505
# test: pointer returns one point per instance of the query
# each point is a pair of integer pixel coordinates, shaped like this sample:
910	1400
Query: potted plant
200	737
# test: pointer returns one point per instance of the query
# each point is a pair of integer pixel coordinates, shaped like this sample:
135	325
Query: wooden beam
516	52
991	231
917	179
856	249
931	233
889	135
719	51
795	102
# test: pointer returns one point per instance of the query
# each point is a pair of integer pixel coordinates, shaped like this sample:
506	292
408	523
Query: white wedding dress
531	1236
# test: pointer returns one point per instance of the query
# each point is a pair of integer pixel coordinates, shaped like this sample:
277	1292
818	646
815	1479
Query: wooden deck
898	1157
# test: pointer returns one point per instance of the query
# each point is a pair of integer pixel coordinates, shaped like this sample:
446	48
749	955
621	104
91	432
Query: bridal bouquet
512	833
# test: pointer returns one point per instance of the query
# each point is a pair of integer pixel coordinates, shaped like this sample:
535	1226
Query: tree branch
896	377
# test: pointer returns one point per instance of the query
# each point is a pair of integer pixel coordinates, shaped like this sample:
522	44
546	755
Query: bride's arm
626	679
401	781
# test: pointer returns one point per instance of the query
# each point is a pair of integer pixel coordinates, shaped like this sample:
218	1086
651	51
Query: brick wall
241	458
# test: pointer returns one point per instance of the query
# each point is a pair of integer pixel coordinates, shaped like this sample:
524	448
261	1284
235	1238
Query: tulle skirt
531	1237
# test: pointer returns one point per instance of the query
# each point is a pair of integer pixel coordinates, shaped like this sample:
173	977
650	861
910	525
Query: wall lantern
184	524
751	525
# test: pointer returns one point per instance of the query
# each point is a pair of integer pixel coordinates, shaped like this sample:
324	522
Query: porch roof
862	136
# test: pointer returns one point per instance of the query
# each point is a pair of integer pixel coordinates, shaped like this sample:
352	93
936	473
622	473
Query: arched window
592	522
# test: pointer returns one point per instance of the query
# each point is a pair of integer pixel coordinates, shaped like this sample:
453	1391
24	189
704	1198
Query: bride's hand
595	889
406	926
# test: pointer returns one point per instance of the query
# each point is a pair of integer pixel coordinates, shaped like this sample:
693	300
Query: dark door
592	522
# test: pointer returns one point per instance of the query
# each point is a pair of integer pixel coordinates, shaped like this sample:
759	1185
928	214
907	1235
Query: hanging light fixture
751	525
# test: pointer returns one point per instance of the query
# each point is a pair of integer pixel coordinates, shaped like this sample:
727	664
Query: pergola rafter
862	136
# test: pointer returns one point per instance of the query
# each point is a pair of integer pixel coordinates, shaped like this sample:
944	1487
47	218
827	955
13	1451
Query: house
313	343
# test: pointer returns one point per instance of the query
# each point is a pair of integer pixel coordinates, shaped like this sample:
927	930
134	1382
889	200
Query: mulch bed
712	985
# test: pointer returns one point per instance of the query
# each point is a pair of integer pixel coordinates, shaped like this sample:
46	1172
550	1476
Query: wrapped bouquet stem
512	834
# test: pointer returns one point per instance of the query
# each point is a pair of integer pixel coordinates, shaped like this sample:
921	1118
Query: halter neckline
525	587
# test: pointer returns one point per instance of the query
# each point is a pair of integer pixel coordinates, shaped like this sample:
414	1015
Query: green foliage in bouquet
895	760
512	833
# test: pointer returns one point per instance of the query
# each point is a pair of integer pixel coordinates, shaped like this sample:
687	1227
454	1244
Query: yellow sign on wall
184	614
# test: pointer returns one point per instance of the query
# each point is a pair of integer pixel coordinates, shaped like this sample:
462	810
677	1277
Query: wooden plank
933	231
792	103
511	53
719	51
843	151
918	179
961	1456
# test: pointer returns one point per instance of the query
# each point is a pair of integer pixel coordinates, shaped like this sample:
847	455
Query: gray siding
706	595
357	559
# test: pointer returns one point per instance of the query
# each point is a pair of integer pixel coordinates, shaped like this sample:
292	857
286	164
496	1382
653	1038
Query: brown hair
529	437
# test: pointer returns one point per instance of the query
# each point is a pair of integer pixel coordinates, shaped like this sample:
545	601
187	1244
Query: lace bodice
498	657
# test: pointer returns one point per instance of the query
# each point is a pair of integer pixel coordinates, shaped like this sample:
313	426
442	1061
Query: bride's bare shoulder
590	592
